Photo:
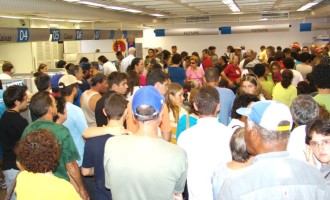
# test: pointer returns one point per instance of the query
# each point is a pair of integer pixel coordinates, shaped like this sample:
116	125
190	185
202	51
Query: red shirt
207	62
233	72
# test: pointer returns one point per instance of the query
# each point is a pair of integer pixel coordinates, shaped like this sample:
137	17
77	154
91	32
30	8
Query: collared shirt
126	62
276	175
207	146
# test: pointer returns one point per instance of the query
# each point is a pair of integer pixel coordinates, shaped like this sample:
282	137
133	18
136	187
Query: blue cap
54	81
147	96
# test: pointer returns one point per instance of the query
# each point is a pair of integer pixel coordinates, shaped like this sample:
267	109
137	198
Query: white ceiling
174	11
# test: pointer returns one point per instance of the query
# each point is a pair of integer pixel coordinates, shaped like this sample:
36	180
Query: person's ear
105	114
125	113
195	107
219	79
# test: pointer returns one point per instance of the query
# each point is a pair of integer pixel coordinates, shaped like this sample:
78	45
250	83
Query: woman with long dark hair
284	91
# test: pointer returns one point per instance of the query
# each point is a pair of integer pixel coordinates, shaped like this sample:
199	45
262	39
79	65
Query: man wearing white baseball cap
273	173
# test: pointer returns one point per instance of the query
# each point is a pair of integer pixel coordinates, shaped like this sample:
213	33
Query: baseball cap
147	96
268	114
85	66
67	80
54	81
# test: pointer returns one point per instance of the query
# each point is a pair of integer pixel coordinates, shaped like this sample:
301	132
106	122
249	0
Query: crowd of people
241	125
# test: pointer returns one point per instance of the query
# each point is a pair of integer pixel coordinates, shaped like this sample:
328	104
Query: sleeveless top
89	114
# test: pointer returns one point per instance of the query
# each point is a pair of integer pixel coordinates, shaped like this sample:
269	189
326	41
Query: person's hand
230	84
62	117
309	155
177	196
83	194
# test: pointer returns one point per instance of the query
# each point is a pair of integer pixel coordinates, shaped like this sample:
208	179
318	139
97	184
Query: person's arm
230	83
75	178
93	100
87	171
165	126
94	132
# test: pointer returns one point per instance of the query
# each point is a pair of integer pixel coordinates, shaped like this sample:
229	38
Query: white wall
89	46
19	54
250	40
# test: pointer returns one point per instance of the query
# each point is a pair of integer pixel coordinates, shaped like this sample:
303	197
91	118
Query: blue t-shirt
182	124
76	123
227	98
93	157
177	75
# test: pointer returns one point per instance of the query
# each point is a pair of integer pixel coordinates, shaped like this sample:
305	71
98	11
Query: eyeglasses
323	143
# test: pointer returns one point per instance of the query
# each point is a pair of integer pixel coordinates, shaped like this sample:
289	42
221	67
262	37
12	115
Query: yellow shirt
31	186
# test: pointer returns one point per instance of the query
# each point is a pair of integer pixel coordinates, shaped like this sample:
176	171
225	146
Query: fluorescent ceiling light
75	21
143	26
92	4
231	5
115	8
157	15
12	17
306	6
57	20
71	0
132	10
309	5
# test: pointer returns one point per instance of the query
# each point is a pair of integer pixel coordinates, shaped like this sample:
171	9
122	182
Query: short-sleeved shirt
177	75
284	95
138	167
323	99
40	186
12	125
93	157
195	75
232	72
76	123
69	152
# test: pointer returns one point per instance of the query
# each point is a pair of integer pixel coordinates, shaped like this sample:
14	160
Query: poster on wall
119	45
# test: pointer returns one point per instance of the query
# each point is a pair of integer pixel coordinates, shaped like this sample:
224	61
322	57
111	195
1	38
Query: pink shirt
195	75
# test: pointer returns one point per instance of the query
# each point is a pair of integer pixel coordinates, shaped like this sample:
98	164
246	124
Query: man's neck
16	109
47	117
323	91
148	129
69	98
272	147
213	83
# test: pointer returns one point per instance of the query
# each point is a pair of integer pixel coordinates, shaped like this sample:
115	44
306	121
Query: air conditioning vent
274	15
198	19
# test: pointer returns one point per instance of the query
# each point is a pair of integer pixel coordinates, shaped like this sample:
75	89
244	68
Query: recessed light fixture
309	5
71	0
92	4
12	17
75	20
157	15
115	8
231	5
57	20
132	10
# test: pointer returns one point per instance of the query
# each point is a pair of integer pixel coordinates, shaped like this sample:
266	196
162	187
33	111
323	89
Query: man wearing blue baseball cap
145	164
273	173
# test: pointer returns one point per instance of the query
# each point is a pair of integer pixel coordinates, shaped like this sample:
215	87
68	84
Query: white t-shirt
108	68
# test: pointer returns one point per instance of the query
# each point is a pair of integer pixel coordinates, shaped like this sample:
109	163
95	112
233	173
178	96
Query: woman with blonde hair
194	73
174	101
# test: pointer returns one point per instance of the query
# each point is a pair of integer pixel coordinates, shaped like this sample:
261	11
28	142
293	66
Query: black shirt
101	119
12	125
